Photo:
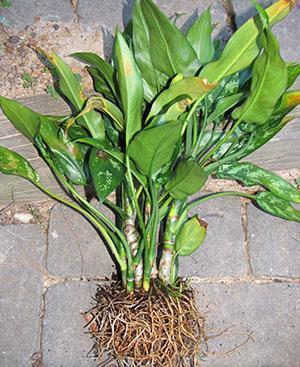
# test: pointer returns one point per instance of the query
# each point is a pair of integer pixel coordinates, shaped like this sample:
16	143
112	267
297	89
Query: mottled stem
169	242
132	236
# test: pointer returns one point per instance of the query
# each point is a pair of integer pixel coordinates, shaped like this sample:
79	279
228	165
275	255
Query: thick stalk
131	233
152	228
169	242
201	200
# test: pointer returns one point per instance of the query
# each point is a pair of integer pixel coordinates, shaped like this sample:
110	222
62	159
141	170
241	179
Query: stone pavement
246	276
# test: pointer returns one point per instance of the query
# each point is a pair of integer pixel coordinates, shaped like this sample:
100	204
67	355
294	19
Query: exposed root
163	328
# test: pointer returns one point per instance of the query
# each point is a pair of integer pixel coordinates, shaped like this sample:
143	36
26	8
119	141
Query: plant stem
132	236
216	195
221	142
202	130
169	242
121	262
153	220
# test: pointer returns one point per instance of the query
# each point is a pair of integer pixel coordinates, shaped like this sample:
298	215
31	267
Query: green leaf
268	83
190	237
251	175
288	102
103	105
24	119
105	70
107	173
293	70
243	46
130	84
263	133
200	37
68	84
188	178
189	89
223	105
114	153
71	89
278	207
65	154
152	148
100	85
105	146
170	51
12	163
153	79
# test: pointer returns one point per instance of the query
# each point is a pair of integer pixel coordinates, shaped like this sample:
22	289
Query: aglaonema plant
171	109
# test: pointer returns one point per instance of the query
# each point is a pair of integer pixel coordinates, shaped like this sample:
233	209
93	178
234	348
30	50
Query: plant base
162	328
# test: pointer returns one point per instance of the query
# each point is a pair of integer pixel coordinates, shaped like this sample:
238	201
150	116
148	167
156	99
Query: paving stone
117	12
65	343
222	252
287	31
274	245
271	312
27	12
21	261
74	246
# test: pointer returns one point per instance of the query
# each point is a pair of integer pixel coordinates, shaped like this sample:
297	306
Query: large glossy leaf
189	89
268	83
243	46
200	37
276	206
223	105
65	154
188	178
103	105
170	51
70	88
251	175
293	70
24	119
100	84
153	79
68	84
104	69
190	237
288	102
130	85
263	134
12	163
152	148
107	173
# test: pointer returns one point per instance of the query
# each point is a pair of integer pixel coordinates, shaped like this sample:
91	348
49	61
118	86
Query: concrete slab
21	261
270	313
74	246
64	341
222	252
27	12
274	245
114	13
118	12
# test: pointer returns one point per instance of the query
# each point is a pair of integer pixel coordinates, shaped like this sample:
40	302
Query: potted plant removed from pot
169	110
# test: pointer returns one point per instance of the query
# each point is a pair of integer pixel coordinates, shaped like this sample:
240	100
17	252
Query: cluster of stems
143	240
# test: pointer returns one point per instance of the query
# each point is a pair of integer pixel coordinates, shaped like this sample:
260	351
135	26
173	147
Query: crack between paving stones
74	4
246	242
37	357
45	259
230	14
251	279
52	281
